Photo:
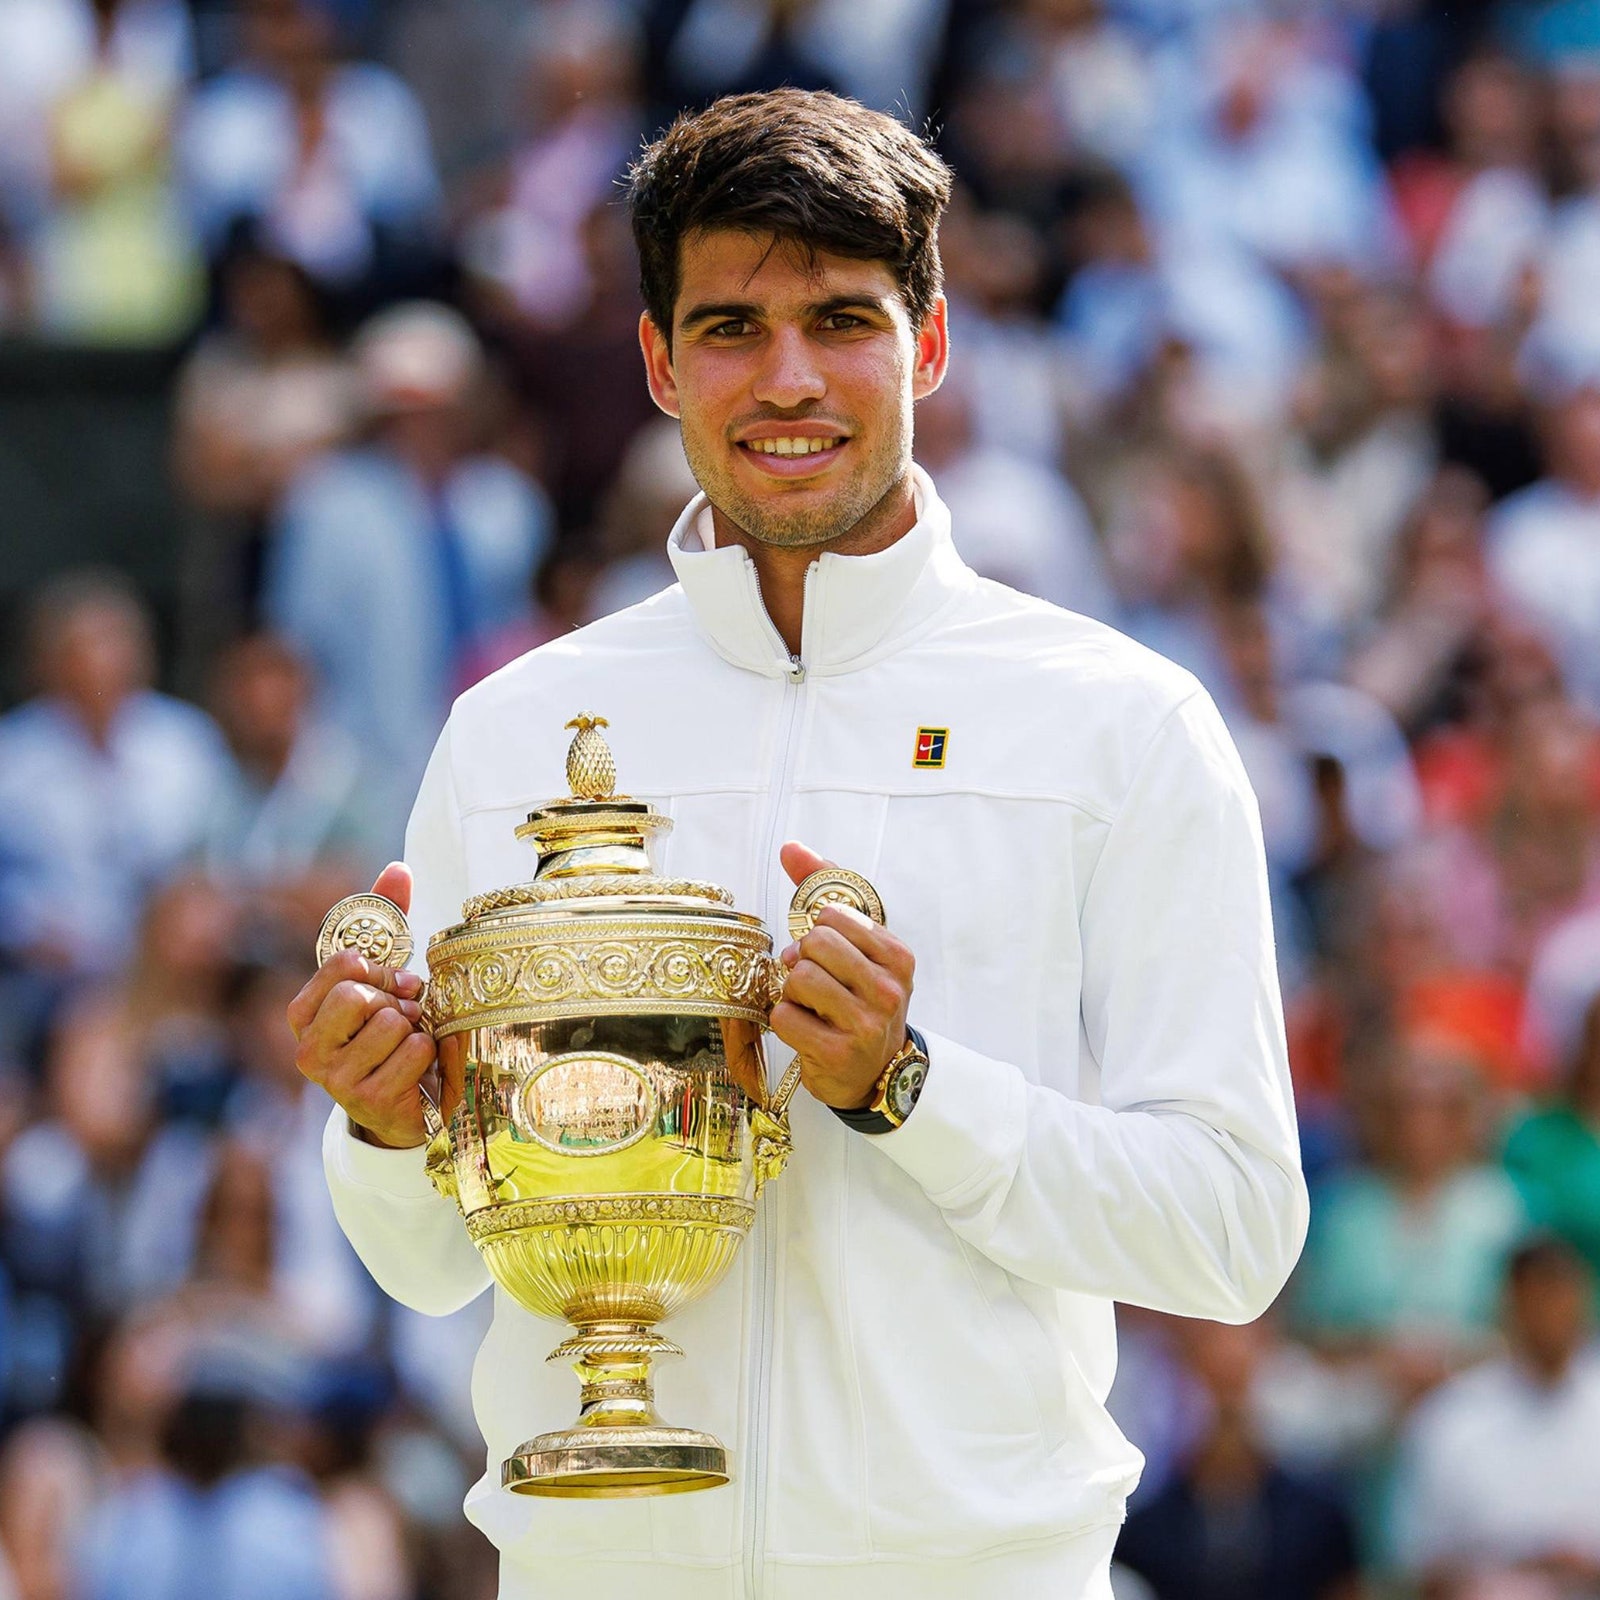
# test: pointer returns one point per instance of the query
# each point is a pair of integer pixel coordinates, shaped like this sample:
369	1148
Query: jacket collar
857	607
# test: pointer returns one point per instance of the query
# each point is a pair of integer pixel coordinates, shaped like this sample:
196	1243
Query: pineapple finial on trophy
591	768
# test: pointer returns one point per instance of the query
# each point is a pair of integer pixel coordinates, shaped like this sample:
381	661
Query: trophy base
613	1463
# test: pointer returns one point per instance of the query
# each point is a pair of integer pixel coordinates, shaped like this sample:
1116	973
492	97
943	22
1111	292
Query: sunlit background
1277	344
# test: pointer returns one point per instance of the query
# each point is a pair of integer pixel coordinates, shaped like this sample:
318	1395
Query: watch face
904	1088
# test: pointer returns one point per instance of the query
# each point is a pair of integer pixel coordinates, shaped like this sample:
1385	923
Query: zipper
766	1245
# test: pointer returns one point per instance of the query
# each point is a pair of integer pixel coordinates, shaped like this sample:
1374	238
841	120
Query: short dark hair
810	168
1545	1255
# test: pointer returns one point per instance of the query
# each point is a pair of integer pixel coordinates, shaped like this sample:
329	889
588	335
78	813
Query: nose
790	375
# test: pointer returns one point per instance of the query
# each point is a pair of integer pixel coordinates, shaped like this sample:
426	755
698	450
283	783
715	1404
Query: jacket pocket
961	1389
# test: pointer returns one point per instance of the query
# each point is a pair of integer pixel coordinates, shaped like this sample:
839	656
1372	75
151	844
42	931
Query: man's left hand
844	1003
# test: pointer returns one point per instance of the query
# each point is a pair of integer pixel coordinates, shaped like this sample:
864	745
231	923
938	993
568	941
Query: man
104	783
910	1358
1498	1469
417	534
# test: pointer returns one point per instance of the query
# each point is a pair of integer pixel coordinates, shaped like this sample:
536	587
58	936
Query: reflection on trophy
615	1125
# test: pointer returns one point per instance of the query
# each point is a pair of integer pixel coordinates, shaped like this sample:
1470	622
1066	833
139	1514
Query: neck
1547	1368
96	717
781	569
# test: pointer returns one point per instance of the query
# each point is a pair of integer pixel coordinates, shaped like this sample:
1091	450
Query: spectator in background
99	1195
582	94
652	487
1544	541
1500	1470
113	261
1261	181
87	91
50	1473
1021	395
1016	519
1413	655
220	1502
1478	213
1512	852
105	784
277	1119
1113	312
1234	1523
260	395
1401	1267
291	823
1364	451
882	54
329	161
394	561
1187	541
1553	1153
580	381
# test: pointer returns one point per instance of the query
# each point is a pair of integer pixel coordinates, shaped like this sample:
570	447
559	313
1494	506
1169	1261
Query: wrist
896	1091
365	1135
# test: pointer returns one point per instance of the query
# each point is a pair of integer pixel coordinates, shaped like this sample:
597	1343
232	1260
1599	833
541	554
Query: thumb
394	883
800	861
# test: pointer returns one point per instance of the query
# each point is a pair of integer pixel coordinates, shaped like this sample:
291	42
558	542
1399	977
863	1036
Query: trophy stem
613	1362
620	1446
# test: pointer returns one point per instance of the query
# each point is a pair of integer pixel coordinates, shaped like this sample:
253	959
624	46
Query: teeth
792	447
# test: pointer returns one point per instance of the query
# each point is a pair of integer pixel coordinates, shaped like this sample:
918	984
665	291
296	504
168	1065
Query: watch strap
868	1119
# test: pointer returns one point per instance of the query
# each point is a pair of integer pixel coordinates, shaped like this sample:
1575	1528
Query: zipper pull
797	670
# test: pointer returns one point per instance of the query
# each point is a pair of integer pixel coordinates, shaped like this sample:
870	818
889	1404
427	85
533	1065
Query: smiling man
1085	1099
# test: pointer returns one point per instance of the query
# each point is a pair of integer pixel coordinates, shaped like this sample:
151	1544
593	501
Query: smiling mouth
791	446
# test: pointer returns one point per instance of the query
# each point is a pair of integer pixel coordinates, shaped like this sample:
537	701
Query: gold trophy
614	1125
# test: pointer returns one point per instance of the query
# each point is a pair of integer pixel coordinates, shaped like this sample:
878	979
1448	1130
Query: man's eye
731	329
841	322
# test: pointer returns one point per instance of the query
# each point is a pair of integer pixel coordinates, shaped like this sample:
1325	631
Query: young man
911	1357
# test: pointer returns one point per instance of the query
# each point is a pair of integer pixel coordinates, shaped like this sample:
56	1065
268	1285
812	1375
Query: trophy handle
825	886
377	927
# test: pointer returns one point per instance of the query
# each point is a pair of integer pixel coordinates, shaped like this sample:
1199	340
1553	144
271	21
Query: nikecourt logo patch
930	747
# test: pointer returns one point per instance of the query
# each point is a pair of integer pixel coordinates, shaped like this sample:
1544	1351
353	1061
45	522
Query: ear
658	365
933	351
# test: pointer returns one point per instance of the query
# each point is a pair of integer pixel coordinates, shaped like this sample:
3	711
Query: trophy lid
593	842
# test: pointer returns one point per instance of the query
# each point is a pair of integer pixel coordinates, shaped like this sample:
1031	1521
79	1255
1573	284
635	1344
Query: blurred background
1277	345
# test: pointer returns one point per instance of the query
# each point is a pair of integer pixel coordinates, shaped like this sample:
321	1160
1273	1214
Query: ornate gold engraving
370	923
536	894
718	1211
601	967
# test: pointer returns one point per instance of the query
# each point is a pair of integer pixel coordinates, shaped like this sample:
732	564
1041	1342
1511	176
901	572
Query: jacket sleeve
411	1239
1181	1190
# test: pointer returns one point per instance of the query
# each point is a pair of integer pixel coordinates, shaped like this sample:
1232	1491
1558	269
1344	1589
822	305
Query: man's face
793	382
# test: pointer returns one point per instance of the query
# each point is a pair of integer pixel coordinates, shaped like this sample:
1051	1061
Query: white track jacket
910	1356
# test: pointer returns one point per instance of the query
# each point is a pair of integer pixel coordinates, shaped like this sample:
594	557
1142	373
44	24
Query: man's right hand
361	1039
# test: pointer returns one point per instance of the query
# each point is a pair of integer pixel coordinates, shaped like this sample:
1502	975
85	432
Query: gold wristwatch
898	1090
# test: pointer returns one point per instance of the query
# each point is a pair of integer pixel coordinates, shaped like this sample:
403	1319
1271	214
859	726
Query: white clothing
1544	554
88	831
1018	521
1496	231
911	1354
1499	1469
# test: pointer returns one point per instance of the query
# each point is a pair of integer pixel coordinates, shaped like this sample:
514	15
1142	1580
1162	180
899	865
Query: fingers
808	1035
800	861
838	928
811	985
392	1084
348	967
394	883
346	1012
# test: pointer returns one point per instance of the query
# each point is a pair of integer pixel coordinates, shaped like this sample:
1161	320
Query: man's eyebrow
747	310
718	311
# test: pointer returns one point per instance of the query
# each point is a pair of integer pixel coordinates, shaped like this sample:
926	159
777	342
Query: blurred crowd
1277	345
